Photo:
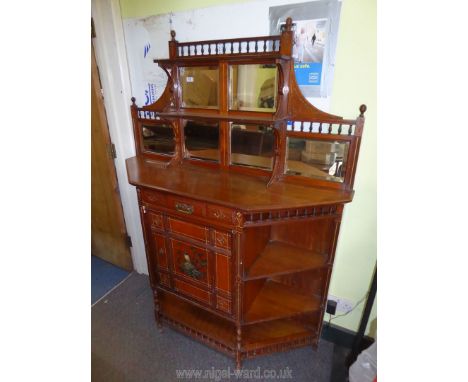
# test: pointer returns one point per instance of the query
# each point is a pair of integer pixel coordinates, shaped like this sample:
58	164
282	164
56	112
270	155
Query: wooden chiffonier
241	185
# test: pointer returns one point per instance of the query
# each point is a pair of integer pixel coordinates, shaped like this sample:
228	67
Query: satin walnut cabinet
241	185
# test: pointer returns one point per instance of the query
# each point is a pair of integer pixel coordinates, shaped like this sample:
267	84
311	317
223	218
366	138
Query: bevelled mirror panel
199	86
252	145
158	139
253	87
202	140
316	158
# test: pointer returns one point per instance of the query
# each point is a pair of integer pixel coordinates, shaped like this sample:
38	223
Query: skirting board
343	337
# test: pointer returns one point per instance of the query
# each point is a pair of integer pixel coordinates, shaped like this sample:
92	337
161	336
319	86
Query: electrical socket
342	305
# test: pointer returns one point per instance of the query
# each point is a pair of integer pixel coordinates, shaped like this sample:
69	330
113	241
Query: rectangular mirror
253	87
252	145
316	158
158	139
202	140
199	86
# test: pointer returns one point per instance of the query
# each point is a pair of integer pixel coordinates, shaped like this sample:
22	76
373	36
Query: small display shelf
276	300
280	258
266	334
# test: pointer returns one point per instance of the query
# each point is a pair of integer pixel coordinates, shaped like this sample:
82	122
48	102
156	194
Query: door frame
111	57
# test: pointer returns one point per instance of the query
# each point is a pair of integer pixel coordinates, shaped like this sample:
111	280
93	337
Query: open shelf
241	116
264	334
276	300
280	258
198	320
256	337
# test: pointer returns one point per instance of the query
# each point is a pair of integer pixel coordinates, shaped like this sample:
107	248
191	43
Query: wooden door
108	232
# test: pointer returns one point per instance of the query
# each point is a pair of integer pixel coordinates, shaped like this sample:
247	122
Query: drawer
194	231
153	197
223	304
219	213
190	262
222	239
186	206
192	291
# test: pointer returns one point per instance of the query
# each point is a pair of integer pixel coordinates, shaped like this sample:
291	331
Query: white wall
220	22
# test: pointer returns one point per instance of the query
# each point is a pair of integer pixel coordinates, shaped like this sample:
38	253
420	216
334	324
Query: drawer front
186	206
161	252
222	239
191	230
153	197
223	304
190	261
192	291
219	213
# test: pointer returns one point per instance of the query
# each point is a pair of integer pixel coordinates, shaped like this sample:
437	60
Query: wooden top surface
231	189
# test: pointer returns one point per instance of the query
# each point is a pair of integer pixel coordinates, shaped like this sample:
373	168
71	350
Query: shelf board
198	320
276	300
280	258
265	334
167	62
231	116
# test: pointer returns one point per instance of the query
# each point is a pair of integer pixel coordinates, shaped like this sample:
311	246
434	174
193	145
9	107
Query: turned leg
239	346
157	313
315	345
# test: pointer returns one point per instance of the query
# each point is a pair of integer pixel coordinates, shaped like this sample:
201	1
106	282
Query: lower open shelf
273	333
276	300
260	338
218	330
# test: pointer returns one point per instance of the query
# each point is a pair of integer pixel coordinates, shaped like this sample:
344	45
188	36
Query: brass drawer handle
184	208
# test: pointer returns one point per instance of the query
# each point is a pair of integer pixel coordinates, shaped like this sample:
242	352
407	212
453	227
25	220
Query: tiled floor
104	277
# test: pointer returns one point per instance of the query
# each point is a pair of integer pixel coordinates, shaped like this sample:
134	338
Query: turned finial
173	35
289	24
362	109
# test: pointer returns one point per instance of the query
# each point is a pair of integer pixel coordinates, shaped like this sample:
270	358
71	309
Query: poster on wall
315	33
309	44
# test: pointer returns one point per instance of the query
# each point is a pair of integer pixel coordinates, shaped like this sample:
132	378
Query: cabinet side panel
255	240
312	235
251	290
